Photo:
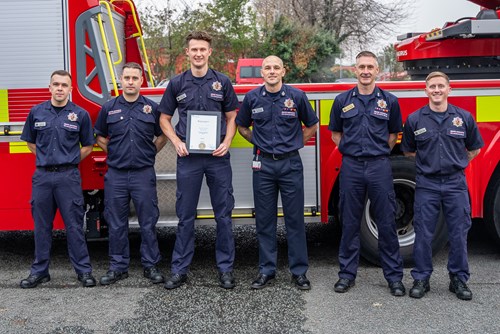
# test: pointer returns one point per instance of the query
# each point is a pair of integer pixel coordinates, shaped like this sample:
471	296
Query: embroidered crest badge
382	104
73	117
457	121
147	109
216	86
289	103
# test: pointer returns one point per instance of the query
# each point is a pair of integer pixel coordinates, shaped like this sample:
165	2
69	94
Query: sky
430	14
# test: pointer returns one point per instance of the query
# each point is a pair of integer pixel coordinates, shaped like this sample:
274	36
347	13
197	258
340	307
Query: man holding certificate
206	105
277	112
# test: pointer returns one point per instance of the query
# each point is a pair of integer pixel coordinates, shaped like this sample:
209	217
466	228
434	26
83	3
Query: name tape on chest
257	110
216	95
181	97
348	107
420	131
288	113
456	133
40	124
70	126
112	112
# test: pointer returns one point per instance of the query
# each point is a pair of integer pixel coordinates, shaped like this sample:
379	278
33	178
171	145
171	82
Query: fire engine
92	39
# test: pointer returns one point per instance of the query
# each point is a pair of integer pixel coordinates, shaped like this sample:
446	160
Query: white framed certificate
203	131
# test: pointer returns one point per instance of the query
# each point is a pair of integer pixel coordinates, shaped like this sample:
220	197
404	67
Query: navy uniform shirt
441	148
365	128
58	135
131	128
277	118
213	93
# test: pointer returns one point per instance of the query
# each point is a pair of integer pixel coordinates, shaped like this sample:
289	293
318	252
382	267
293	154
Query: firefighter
126	128
54	131
201	89
365	122
277	112
444	139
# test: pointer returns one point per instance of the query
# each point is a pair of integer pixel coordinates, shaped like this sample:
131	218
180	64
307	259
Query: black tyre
403	170
492	209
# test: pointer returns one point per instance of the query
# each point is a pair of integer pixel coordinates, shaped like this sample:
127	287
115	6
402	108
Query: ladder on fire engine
141	39
97	39
111	63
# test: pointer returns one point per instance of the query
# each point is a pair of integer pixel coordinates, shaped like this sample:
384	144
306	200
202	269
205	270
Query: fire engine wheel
403	170
492	210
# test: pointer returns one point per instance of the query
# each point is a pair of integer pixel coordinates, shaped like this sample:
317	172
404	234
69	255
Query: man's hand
221	150
181	149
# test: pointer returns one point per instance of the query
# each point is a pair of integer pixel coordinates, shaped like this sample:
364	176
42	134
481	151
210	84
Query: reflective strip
19	147
4	106
325	106
487	109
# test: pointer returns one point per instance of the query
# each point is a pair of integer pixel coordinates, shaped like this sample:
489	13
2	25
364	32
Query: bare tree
351	22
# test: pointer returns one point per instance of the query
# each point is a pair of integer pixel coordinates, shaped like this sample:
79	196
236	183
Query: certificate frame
203	131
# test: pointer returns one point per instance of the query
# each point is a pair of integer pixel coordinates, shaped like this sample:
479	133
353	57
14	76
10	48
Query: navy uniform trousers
121	185
63	190
285	177
450	193
359	177
218	173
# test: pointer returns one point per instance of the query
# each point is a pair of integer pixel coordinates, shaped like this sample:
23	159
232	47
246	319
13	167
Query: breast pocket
145	124
43	132
380	114
116	124
72	130
261	118
216	96
184	99
215	100
423	140
349	114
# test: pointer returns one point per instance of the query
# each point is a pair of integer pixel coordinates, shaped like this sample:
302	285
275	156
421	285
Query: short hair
132	65
62	73
366	54
199	35
437	74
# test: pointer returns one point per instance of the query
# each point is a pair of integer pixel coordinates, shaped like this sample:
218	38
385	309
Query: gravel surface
134	305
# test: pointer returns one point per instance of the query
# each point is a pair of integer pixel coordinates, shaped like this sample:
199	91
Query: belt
372	158
443	176
277	156
58	168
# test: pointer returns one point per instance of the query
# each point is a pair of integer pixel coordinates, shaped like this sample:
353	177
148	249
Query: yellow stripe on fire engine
325	106
19	147
487	109
4	106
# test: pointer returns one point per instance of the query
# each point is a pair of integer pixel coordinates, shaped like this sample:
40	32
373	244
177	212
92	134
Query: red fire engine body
93	41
